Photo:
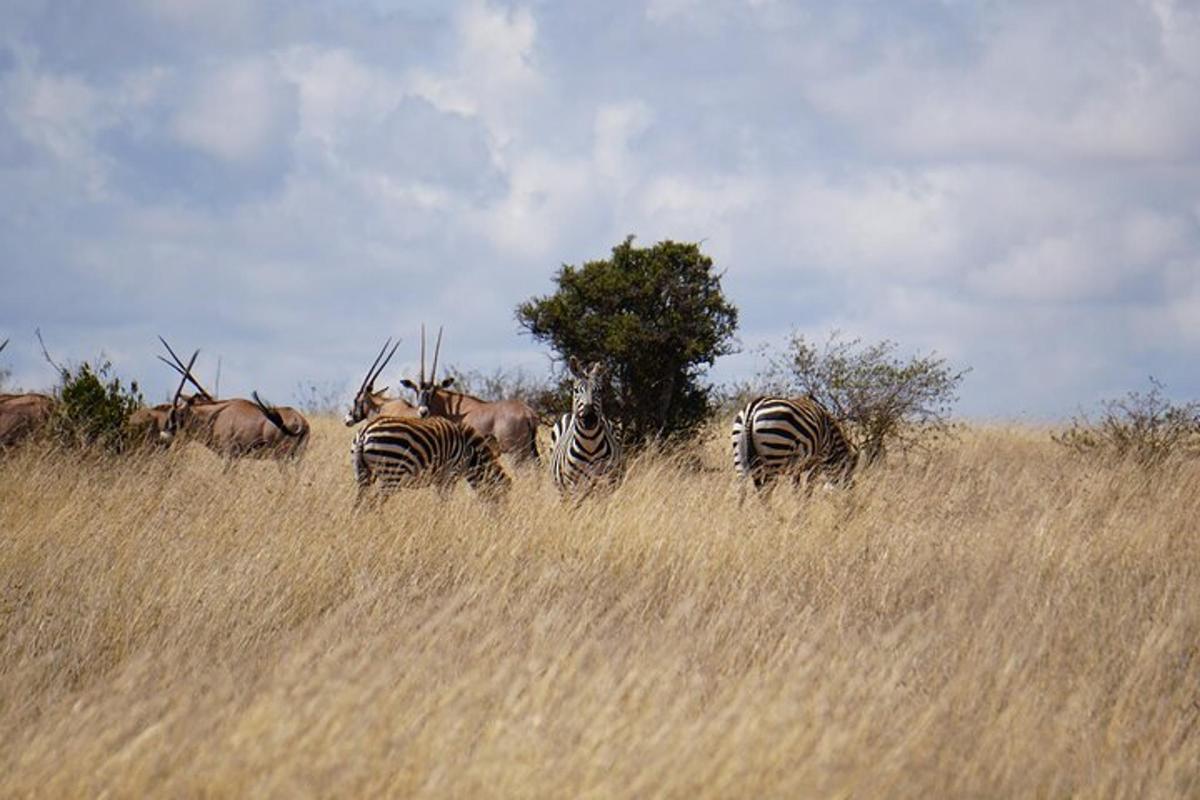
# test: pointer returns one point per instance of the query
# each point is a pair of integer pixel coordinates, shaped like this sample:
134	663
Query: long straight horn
421	382
186	373
371	373
187	376
436	349
2	346
178	360
391	353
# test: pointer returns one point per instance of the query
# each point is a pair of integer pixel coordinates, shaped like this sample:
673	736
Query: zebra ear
573	365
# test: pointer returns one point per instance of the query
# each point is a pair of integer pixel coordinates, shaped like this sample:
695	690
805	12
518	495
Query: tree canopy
656	317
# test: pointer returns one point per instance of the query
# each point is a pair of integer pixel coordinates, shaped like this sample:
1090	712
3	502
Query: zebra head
366	401
426	389
586	405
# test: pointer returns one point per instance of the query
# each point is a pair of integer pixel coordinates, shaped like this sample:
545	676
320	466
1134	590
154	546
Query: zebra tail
746	450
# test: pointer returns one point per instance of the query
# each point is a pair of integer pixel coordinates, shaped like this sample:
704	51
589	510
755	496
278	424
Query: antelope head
426	389
180	406
365	401
585	401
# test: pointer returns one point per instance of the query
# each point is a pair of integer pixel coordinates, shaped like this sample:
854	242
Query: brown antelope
145	424
234	428
22	415
512	422
369	403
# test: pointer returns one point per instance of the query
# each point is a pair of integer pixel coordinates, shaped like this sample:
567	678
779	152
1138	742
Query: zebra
585	450
777	435
399	452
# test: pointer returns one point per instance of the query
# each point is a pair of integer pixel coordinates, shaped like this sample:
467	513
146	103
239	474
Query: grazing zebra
777	435
403	452
585	450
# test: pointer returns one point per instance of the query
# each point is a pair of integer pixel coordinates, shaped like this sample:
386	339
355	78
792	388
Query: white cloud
1042	83
1013	185
493	74
239	113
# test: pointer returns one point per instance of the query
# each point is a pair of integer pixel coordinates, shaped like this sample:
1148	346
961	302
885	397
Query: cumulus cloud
287	183
239	113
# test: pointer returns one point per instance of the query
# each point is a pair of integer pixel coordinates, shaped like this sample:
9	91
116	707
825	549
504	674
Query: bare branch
46	353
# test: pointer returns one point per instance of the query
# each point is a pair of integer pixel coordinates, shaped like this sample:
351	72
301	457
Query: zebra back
401	452
774	435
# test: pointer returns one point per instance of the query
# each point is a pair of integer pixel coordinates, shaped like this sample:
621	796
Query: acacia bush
92	408
1146	427
885	401
656	317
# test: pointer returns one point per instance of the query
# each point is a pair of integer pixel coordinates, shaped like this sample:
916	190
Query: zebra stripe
777	435
402	452
585	450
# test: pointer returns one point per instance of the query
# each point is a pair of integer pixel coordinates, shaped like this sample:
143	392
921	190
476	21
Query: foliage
884	400
1145	427
656	317
546	396
92	408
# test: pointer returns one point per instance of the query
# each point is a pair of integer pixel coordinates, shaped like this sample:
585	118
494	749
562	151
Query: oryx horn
421	380
376	365
186	373
436	349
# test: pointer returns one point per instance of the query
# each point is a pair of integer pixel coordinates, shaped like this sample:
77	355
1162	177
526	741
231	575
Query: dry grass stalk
1001	620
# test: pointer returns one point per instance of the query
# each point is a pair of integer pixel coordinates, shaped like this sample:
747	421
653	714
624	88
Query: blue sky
1014	185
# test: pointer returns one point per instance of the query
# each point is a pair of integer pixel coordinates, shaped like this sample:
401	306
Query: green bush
92	408
1145	427
656	317
885	401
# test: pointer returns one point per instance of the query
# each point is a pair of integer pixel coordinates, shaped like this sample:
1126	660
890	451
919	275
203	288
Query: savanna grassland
1002	619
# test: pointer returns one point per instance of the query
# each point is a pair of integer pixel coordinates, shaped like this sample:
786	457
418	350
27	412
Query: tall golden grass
1000	620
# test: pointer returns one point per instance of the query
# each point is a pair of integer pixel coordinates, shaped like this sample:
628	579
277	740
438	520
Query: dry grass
1001	621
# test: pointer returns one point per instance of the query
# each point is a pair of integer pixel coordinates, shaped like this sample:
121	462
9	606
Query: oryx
233	428
369	403
22	415
512	422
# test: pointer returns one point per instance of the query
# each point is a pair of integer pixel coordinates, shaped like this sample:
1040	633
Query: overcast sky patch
286	184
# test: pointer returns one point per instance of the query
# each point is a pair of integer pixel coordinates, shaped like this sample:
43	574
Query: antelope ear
407	384
381	391
447	383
